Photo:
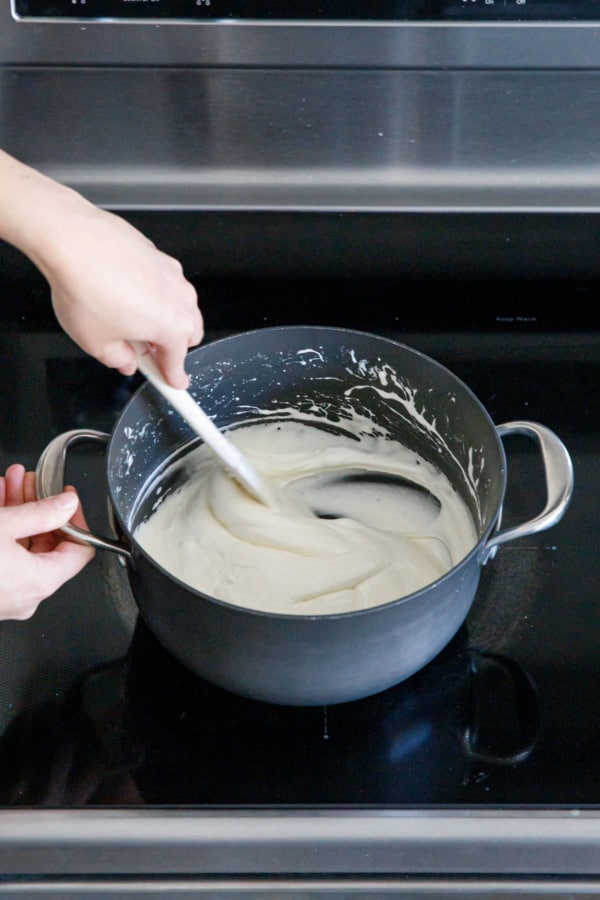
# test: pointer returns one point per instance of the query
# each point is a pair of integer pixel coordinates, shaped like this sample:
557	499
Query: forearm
32	209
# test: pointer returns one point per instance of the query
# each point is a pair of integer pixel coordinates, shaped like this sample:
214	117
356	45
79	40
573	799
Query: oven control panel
321	10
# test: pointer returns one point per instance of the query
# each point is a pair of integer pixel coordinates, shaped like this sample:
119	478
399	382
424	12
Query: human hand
35	559
110	285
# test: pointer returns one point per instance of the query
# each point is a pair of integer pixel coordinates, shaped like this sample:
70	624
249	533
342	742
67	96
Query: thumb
41	516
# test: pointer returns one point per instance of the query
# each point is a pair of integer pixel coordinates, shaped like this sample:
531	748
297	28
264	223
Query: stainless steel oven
411	137
427	170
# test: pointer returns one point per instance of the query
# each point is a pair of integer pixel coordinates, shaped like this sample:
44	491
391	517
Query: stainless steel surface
317	888
395	171
399	843
301	43
370	141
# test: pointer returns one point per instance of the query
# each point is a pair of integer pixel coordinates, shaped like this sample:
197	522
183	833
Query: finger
39	516
47	572
78	518
44	543
29	492
74	556
18	489
14	478
64	562
170	360
38	543
188	299
118	355
15	490
197	332
2	491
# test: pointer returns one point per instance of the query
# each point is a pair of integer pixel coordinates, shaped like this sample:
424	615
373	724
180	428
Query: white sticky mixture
382	539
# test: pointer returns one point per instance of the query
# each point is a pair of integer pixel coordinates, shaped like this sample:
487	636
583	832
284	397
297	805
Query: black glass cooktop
93	711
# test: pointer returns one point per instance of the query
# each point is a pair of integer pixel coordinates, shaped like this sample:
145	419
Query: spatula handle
235	462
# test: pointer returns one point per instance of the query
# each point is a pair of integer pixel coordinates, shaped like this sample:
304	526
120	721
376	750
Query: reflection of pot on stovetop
427	740
146	730
304	659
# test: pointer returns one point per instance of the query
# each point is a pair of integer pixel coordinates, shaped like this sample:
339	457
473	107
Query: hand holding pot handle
558	470
35	560
49	480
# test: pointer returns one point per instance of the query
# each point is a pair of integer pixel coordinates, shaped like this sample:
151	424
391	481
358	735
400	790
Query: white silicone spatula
236	464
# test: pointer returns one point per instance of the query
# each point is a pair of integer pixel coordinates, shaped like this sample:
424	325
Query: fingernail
65	501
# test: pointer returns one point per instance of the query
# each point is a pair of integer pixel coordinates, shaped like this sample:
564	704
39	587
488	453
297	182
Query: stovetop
94	712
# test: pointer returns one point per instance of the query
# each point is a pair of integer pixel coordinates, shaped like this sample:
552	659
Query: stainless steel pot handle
558	470
50	480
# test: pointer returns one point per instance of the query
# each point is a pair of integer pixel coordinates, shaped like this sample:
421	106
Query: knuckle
174	264
25	613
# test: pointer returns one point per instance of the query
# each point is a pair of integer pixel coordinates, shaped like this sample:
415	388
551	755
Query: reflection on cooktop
146	730
413	743
85	394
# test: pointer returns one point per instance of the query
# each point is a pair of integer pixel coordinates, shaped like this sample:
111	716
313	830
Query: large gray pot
308	660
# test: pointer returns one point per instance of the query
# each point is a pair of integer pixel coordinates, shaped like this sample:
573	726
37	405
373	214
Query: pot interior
328	377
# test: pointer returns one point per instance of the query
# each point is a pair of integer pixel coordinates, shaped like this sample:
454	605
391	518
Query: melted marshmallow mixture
341	535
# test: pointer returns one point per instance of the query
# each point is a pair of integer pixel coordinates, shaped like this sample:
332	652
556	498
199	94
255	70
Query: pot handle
558	470
50	480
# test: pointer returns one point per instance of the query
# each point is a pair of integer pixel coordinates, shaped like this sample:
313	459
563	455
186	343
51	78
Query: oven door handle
50	480
558	470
